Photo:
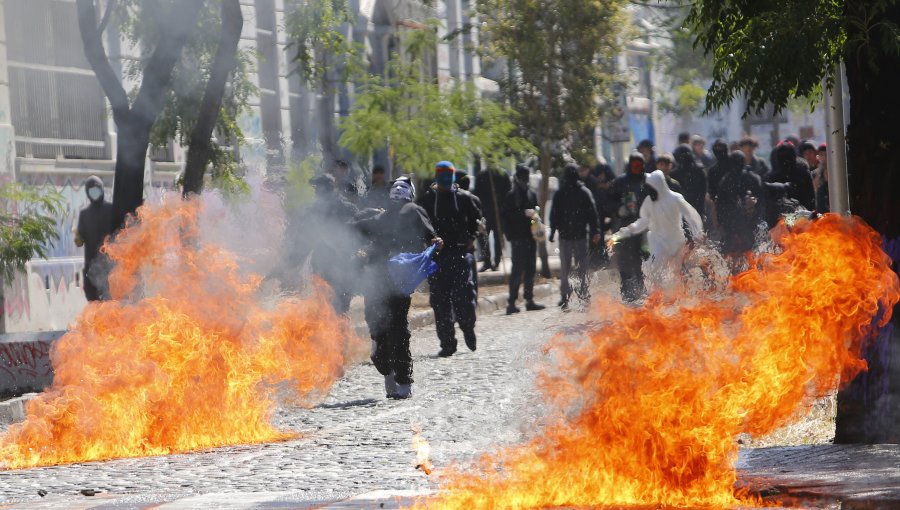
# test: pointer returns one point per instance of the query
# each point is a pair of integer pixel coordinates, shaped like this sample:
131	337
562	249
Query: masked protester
403	227
574	215
793	171
661	215
739	206
628	193
719	168
519	208
454	214
95	224
691	178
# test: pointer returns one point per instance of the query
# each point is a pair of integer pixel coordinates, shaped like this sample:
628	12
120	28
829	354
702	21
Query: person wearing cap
95	224
403	227
628	192
519	208
454	214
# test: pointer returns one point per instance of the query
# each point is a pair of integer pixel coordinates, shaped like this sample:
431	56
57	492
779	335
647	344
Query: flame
183	358
649	403
423	452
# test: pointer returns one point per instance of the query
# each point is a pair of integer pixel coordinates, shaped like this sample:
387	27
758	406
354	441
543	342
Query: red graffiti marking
27	359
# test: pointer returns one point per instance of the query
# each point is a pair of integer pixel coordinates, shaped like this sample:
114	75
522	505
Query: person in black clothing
691	178
793	172
518	209
719	169
573	214
95	224
739	206
327	222
628	190
403	227
748	146
463	181
491	187
645	147
603	177
377	194
454	214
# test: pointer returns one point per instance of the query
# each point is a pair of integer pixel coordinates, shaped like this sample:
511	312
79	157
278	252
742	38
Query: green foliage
773	51
324	55
139	21
297	190
27	225
560	52
422	122
226	176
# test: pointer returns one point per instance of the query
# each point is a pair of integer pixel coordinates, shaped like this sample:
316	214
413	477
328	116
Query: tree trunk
200	148
869	408
546	160
128	190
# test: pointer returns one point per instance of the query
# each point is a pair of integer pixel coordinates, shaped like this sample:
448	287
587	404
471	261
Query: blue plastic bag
408	270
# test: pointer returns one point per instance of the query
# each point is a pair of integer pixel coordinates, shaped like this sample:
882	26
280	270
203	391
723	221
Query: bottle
538	232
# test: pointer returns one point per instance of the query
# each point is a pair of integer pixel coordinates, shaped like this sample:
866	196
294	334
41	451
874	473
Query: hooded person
519	208
719	168
95	224
627	194
691	178
403	227
661	216
740	205
574	215
455	215
790	169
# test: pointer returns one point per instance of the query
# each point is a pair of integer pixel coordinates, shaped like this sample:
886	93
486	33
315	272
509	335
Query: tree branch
92	39
110	4
200	145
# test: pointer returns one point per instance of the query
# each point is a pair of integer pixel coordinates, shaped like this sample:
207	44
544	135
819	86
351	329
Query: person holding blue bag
396	266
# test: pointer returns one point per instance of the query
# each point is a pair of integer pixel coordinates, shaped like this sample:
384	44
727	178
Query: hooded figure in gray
95	224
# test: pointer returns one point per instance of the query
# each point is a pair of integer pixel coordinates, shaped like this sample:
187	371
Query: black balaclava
523	176
684	156
784	157
570	175
736	162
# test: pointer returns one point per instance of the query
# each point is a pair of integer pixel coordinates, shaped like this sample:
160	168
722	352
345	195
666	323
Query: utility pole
838	190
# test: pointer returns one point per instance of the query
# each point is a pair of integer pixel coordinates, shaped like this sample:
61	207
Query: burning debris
649	403
423	452
183	358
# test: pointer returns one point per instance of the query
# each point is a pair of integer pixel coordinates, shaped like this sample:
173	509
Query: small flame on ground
423	452
183	358
648	405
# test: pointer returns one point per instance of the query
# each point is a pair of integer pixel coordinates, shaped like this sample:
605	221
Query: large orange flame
183	358
649	403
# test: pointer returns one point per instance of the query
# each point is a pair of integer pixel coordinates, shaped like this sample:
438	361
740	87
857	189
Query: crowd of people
657	206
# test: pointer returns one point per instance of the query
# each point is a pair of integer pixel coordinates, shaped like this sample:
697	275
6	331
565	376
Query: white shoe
390	385
403	391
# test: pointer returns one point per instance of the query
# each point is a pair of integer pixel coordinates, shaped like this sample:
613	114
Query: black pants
628	253
486	245
524	262
453	297
388	319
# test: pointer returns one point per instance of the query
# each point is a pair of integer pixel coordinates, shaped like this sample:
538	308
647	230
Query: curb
13	410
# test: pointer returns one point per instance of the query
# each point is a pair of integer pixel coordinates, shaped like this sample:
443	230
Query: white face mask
95	193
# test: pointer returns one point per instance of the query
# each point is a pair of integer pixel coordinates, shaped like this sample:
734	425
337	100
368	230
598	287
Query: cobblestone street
353	443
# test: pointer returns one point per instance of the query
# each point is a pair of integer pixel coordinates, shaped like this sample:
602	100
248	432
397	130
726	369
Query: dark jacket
692	180
491	187
573	211
794	172
738	216
517	226
628	194
454	215
95	223
716	172
401	228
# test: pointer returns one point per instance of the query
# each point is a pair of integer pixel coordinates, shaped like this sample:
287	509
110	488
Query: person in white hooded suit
662	214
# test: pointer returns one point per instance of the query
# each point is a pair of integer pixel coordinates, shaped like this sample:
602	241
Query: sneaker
511	309
446	353
390	385
485	267
471	340
563	303
404	391
564	306
531	306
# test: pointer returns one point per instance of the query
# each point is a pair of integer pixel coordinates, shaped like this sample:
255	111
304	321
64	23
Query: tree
135	118
771	52
422	122
325	58
27	226
557	51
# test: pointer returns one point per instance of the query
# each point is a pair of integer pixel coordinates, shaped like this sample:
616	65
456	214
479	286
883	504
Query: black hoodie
573	211
95	222
691	178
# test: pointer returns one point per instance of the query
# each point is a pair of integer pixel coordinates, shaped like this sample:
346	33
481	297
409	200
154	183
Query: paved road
355	442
